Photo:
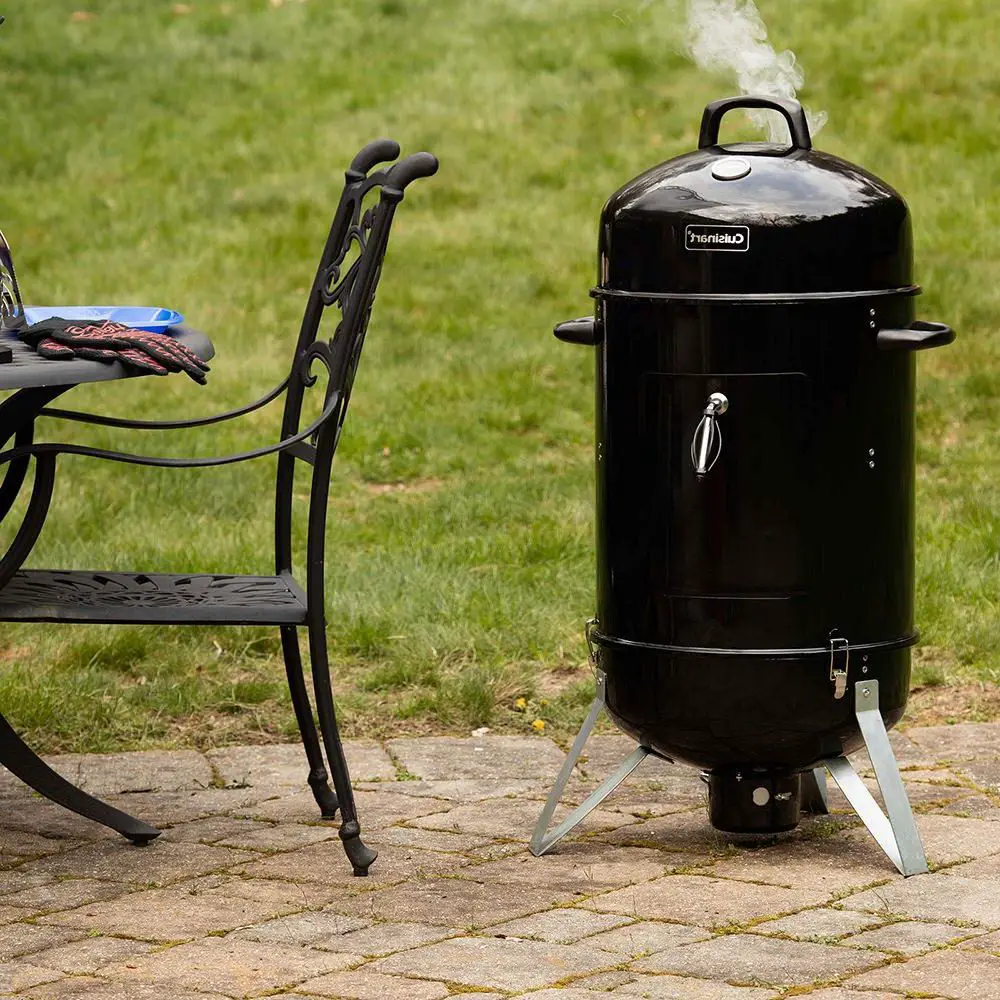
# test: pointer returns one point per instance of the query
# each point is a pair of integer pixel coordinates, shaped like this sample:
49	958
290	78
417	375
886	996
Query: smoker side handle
918	336
586	331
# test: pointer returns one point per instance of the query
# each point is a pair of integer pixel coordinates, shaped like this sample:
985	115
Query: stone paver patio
248	894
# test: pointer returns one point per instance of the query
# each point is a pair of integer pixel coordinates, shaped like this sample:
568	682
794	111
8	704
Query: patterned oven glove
155	353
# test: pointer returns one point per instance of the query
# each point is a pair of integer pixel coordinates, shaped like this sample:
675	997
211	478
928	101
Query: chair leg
357	852
23	762
325	797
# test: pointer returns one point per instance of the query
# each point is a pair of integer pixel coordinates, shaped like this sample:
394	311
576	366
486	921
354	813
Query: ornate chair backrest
345	281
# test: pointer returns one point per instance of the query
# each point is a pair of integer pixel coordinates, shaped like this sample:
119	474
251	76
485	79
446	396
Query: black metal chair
346	279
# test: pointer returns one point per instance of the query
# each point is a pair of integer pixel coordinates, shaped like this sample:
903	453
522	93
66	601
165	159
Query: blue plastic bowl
137	317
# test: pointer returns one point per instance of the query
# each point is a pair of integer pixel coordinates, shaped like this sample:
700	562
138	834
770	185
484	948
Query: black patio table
38	381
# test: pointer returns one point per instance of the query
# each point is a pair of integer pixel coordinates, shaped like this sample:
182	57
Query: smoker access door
720	509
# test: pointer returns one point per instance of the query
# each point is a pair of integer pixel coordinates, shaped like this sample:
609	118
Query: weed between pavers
941	866
841	894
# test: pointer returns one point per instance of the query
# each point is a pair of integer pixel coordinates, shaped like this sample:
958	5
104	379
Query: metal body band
756	298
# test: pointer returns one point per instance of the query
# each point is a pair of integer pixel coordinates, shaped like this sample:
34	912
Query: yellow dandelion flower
538	725
521	704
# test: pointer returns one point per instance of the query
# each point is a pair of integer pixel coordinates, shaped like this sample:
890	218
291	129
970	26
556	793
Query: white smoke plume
730	36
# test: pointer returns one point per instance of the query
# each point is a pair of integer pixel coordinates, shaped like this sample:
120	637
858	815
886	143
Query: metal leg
357	852
17	415
34	519
813	794
325	797
541	839
896	833
22	761
16	471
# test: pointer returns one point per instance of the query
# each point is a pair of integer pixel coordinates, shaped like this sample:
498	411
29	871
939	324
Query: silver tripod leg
896	833
542	840
814	792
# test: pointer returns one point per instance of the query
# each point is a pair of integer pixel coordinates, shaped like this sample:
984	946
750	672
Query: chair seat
151	598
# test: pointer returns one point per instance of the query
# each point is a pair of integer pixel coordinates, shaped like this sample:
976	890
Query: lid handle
792	110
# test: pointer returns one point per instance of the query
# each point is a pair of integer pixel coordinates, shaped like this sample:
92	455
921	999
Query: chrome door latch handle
706	447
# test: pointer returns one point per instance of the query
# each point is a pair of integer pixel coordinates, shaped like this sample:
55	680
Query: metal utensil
11	306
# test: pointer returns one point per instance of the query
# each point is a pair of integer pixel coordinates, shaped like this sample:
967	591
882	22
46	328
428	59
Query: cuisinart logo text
734	238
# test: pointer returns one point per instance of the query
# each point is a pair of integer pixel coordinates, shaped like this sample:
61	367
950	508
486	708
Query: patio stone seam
747	926
956	781
575	977
402	774
483	930
931	808
245	877
170	946
766	885
935	806
457	989
541	796
63	976
832	940
959	761
905	918
799	990
448	805
159	946
649	845
870	927
666	921
891	921
217	779
475	859
140	887
988	951
994	797
473	929
265	852
372	959
962	814
949	945
655	878
942	867
841	894
35	915
404	824
365	891
693	869
578	897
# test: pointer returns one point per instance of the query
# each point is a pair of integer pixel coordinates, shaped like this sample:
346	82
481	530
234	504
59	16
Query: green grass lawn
191	157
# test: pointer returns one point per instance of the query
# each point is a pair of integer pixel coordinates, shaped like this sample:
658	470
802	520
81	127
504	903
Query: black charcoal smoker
755	340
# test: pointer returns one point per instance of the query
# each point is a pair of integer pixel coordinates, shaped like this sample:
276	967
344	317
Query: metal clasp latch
840	659
592	624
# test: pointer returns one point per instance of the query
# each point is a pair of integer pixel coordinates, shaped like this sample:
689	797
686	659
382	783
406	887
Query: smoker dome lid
755	219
